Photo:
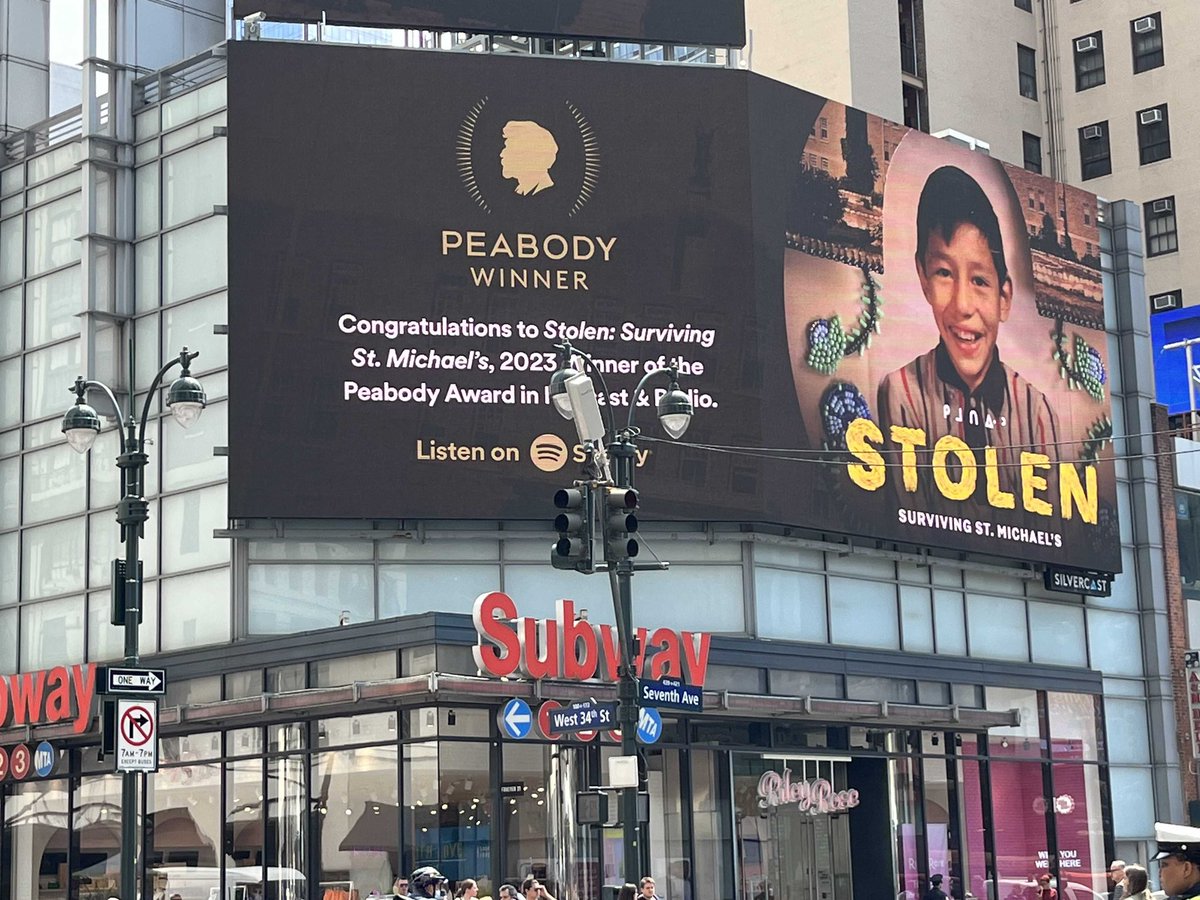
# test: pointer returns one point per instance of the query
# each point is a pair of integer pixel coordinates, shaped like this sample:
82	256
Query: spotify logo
548	452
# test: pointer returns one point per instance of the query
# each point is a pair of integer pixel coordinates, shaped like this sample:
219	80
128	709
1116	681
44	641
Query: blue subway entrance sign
649	727
516	718
44	759
670	693
583	716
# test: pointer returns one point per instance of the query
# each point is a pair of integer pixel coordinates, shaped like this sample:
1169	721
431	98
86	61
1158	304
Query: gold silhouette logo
530	153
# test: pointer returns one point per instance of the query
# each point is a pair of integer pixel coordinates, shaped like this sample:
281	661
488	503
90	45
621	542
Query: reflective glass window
790	605
355	794
191	325
54	231
8	640
48	375
1114	642
408	590
863	613
145	278
187	456
147	197
8	564
287	818
916	618
194	259
691	598
997	627
188	521
106	641
10	495
53	306
1056	634
1023	739
53	483
183	805
949	623
10	320
286	598
10	392
34	854
1079	828
1073	731
12	247
52	633
193	182
104	545
195	609
52	559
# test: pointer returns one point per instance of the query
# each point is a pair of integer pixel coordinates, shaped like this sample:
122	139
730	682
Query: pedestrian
1116	875
533	889
646	887
425	883
1044	891
1178	859
508	892
1136	883
935	891
627	892
400	886
468	889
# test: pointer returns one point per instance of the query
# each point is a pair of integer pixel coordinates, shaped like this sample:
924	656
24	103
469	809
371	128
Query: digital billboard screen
883	334
706	22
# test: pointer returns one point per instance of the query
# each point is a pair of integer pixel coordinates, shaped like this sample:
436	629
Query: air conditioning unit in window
1144	24
1161	302
1092	132
1164	205
1150	116
1086	45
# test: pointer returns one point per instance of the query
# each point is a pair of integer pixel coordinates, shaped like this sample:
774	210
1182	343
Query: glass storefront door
793	835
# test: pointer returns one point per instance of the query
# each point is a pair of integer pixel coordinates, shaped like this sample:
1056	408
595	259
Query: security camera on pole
607	492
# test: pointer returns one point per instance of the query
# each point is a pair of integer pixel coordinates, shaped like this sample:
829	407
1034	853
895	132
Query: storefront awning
435	688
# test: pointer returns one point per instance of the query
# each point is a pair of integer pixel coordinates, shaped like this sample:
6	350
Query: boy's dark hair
952	198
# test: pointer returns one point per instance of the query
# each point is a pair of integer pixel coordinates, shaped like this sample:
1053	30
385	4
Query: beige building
1081	90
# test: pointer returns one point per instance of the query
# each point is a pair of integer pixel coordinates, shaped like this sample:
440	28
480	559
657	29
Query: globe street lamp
574	397
81	424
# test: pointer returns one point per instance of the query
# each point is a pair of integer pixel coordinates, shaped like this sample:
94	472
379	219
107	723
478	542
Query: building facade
326	725
1058	86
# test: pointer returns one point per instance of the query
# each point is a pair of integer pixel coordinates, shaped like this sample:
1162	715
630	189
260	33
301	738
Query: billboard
1171	386
712	22
402	260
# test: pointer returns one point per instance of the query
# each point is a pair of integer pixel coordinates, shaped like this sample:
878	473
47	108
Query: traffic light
573	549
620	523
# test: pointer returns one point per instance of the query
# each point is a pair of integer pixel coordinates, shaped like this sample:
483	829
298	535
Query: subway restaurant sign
574	649
48	697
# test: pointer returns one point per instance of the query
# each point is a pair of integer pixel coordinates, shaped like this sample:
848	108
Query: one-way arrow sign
115	680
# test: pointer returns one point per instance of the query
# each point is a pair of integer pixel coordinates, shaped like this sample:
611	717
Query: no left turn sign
137	736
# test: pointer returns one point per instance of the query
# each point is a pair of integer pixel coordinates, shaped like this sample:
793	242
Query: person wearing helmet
425	883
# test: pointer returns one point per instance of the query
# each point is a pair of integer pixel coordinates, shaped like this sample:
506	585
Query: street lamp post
576	400
81	424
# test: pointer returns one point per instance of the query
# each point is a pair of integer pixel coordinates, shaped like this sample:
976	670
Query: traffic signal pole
609	493
622	452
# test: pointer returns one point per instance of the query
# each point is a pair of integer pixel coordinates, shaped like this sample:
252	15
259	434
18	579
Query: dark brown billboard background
709	22
402	260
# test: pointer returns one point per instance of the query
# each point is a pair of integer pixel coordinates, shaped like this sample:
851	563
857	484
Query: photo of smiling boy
961	386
